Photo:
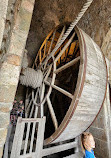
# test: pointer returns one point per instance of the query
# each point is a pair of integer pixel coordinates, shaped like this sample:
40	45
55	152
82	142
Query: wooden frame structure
86	100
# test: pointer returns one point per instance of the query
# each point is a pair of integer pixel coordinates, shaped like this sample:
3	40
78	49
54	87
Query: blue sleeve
88	154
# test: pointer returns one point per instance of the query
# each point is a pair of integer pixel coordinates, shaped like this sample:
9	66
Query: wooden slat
41	98
26	139
17	140
62	32
32	137
58	148
45	49
67	65
52	113
51	42
49	70
60	90
28	155
65	47
40	137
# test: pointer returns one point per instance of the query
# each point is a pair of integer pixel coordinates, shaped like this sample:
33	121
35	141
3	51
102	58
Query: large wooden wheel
73	86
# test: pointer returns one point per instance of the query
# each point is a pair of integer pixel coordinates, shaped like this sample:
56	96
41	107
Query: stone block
18	40
25	19
2	25
4	119
98	146
1	151
9	74
101	150
3	11
7	93
104	150
5	107
99	133
13	59
3	134
27	5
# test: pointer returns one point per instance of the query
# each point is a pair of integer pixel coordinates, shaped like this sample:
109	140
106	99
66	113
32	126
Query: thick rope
31	78
71	27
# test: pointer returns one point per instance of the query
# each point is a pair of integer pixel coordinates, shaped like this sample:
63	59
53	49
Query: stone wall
101	130
11	58
8	25
3	12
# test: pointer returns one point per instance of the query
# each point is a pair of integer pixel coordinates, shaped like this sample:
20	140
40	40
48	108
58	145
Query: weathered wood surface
78	50
59	148
89	94
27	150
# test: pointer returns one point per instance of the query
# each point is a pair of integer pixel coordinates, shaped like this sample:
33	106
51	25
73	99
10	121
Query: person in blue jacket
88	144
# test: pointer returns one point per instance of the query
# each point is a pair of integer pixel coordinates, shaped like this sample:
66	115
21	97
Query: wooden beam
58	148
65	47
67	65
60	90
62	32
51	42
52	113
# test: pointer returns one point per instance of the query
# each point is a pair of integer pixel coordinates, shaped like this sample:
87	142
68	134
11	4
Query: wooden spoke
65	47
34	103
60	90
63	30
45	49
67	65
41	98
51	42
28	106
34	99
48	72
52	113
45	72
32	110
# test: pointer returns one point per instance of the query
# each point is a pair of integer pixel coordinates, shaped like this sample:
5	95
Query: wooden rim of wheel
78	91
51	62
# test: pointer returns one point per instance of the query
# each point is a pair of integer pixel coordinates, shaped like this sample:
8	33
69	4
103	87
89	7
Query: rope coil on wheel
31	78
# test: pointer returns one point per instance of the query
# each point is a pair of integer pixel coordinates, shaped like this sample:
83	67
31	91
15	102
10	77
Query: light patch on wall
106	45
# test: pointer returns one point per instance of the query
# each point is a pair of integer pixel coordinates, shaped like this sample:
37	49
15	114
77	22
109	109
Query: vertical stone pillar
3	12
10	68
